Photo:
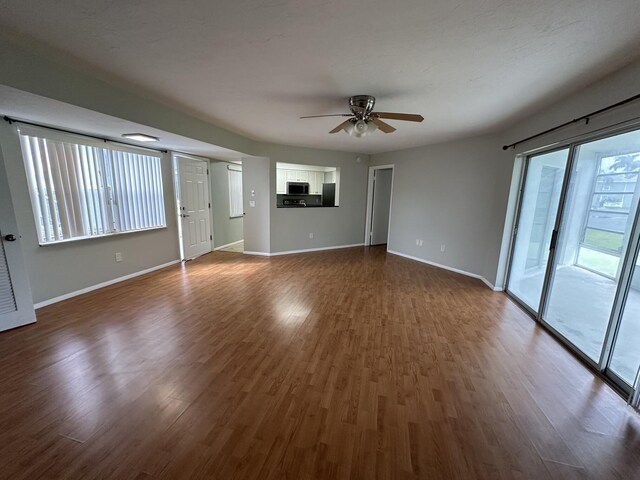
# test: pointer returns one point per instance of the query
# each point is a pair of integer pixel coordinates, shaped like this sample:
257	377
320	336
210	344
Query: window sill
105	235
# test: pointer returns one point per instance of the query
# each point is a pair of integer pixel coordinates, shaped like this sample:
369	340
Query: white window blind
81	188
235	191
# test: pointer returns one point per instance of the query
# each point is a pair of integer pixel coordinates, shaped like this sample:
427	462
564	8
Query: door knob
184	215
10	237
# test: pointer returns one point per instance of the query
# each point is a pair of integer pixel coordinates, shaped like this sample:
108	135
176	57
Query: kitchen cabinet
315	182
297	176
281	181
315	179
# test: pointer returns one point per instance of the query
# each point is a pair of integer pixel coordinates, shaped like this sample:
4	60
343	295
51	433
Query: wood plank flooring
348	364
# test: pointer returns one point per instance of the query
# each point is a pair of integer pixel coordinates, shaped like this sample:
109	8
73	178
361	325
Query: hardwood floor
343	364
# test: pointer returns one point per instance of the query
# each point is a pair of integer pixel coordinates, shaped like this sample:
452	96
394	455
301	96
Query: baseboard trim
228	245
446	267
103	284
307	250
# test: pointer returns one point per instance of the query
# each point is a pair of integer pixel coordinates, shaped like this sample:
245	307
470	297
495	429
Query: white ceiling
254	67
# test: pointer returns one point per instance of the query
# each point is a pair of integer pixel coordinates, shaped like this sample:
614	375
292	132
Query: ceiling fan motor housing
362	105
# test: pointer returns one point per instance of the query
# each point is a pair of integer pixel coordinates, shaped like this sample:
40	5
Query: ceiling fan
364	120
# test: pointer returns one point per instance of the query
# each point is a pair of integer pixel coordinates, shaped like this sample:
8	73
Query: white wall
59	269
226	230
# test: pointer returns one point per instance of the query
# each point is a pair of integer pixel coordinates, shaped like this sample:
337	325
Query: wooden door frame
369	214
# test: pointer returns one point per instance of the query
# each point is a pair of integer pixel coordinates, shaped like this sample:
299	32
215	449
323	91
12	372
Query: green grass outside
605	240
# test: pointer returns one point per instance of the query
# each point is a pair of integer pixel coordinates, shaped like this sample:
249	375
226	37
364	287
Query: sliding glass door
625	358
537	217
589	295
599	210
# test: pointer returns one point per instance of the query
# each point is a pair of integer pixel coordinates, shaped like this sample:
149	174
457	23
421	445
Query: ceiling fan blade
332	115
385	127
407	117
342	126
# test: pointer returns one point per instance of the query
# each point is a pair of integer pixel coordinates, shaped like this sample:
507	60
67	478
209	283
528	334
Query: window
235	191
611	201
81	188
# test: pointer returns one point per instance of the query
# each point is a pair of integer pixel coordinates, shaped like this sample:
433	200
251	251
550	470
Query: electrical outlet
118	257
252	203
442	248
310	234
417	242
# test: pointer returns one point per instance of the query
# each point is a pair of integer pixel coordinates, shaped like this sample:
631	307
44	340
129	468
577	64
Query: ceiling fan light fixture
360	128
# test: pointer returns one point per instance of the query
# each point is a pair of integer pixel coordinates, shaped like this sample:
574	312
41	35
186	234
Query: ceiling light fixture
140	137
361	128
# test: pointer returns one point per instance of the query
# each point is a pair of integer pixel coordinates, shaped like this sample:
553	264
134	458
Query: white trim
306	250
228	245
44	303
369	212
445	267
289	252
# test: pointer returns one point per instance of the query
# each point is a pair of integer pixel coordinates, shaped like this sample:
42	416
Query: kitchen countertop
307	206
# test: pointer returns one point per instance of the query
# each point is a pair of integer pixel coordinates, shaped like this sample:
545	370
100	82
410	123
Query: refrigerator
328	194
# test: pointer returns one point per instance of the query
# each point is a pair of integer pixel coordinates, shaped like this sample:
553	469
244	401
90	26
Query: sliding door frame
516	224
626	271
619	303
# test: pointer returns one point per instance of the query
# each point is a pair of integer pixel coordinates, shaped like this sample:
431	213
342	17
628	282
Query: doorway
379	199
574	257
16	302
193	204
227	206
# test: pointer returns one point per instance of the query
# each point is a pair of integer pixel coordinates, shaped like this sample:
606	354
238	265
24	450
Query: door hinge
210	237
207	171
209	205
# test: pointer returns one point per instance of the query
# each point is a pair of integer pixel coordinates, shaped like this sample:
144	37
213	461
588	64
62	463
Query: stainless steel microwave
297	188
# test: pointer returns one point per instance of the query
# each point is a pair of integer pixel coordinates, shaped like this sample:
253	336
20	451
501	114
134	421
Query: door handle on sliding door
554	240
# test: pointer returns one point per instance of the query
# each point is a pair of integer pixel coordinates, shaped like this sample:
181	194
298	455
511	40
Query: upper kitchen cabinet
315	176
297	176
281	180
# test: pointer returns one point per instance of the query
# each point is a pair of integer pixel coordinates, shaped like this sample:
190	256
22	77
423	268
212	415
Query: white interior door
381	206
194	213
16	302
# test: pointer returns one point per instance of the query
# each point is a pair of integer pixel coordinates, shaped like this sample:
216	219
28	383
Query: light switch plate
252	203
